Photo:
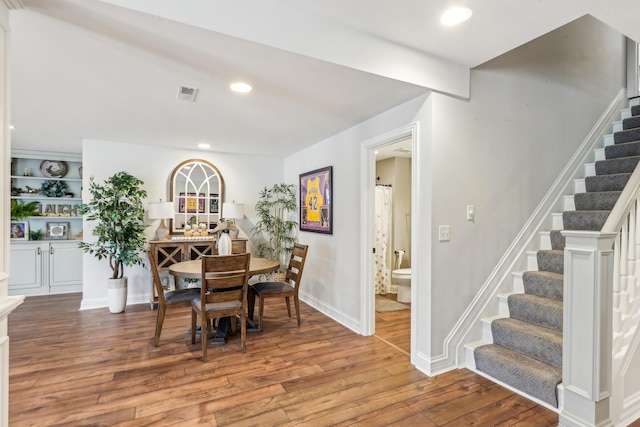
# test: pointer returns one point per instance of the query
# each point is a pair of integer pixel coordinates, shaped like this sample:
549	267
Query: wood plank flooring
93	368
394	327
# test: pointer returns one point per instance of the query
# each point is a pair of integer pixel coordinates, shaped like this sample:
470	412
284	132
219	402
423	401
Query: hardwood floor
75	368
394	327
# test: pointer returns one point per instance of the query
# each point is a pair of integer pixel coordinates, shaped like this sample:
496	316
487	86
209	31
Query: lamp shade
233	210
160	210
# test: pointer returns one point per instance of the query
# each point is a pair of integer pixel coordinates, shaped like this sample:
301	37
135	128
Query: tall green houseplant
275	207
117	208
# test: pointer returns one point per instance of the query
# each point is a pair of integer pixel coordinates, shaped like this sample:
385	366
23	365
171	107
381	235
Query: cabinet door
65	268
168	253
25	277
197	250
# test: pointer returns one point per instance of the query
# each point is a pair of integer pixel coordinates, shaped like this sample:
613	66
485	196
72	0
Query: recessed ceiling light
240	87
204	145
455	16
12	127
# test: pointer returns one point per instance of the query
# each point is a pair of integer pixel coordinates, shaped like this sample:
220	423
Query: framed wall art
57	230
316	205
19	230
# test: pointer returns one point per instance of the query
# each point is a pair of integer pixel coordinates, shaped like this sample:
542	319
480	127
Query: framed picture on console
316	204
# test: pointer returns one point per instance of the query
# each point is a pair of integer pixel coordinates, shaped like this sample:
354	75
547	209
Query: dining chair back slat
287	289
224	293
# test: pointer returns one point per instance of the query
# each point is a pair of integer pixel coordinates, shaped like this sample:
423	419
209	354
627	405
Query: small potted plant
117	208
275	208
21	210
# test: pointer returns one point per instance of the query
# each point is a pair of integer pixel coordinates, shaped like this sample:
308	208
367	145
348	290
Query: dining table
193	270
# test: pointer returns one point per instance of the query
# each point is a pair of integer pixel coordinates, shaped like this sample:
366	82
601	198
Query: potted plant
274	208
117	207
21	209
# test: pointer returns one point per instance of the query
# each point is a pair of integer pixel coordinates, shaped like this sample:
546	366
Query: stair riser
543	312
537	343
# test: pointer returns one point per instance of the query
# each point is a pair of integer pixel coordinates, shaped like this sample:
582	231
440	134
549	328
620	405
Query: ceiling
111	69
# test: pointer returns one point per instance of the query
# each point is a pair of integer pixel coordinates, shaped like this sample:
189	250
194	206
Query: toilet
401	277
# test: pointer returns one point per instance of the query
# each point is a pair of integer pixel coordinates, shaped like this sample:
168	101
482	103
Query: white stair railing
625	304
601	338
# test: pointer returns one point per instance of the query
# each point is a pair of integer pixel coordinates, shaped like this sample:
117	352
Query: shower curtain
383	197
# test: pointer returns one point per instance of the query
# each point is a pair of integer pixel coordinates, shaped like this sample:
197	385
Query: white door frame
367	189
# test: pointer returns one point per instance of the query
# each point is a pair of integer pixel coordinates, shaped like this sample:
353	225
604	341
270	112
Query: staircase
522	345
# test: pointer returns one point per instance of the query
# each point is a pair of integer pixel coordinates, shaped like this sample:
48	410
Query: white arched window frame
197	193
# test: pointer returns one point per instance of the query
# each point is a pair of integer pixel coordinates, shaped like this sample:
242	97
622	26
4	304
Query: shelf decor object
53	188
161	210
57	230
53	168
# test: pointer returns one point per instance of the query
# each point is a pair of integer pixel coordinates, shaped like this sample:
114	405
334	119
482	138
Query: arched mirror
197	193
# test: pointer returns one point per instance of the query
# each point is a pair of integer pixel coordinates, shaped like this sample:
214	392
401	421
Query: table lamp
161	210
231	212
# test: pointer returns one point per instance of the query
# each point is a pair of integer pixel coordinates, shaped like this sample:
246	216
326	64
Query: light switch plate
444	233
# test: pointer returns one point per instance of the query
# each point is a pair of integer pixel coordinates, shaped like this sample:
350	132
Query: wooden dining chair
223	294
286	289
169	299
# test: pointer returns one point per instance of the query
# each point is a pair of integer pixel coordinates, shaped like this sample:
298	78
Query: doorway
381	157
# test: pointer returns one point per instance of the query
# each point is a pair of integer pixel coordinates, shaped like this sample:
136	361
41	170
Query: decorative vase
117	294
224	244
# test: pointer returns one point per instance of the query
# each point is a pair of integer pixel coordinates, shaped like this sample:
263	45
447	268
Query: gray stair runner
527	346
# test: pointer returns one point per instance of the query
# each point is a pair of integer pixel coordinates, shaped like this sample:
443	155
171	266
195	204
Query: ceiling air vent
187	93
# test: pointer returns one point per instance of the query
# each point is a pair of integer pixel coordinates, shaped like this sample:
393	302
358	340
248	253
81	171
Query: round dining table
193	269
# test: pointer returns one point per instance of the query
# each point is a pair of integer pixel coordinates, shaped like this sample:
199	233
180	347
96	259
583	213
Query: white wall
499	151
244	177
332	277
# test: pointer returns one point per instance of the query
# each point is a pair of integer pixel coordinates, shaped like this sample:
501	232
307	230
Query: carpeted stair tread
616	151
557	239
619	165
541	311
550	260
543	284
596	201
629	135
539	343
614	182
533	377
635	110
631	122
584	220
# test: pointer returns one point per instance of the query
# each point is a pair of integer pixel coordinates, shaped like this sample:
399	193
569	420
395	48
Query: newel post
587	328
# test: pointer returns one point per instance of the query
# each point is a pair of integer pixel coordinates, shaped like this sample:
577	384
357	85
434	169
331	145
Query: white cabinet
45	257
40	268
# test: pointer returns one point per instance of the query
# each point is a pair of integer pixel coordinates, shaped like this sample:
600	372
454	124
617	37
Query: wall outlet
471	213
443	233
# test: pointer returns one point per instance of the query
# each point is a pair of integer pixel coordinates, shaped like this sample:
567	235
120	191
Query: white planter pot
117	294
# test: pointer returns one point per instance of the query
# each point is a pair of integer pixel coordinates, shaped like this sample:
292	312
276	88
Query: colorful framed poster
316	205
214	203
182	203
192	203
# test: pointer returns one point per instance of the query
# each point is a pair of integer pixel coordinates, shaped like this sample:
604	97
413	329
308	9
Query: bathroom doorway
392	231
